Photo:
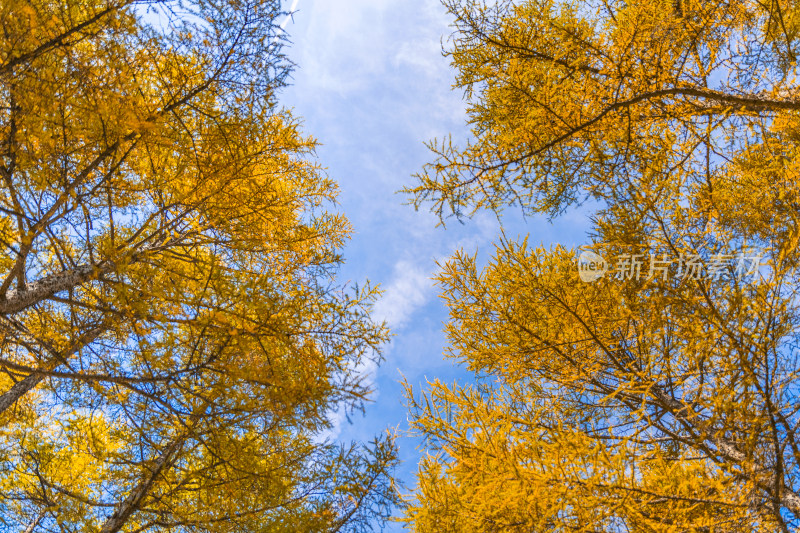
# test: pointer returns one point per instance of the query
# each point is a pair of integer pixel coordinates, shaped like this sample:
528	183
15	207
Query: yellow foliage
174	336
626	404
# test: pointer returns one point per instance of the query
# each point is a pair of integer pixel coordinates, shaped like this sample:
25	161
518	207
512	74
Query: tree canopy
665	401
172	333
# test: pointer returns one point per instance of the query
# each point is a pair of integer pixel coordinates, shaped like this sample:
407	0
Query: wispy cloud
410	288
408	291
289	16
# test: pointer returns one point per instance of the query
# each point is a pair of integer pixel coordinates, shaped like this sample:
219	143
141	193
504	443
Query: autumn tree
172	333
652	399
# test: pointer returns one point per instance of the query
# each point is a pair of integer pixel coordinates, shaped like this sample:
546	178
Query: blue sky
372	85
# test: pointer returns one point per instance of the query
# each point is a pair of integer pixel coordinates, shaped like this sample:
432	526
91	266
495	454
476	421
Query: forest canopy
175	338
659	401
172	333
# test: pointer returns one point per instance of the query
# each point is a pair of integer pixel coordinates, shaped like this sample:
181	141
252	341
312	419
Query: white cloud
410	288
372	85
408	291
289	17
342	45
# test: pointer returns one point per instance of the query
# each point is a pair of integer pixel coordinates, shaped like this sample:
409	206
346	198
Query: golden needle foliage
660	404
172	336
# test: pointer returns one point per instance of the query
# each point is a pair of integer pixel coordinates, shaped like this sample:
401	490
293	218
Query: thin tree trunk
132	503
20	388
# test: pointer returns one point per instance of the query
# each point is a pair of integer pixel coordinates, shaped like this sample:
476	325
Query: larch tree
172	333
663	395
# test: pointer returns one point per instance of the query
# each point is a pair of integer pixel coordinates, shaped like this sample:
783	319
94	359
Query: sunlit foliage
663	403
172	335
